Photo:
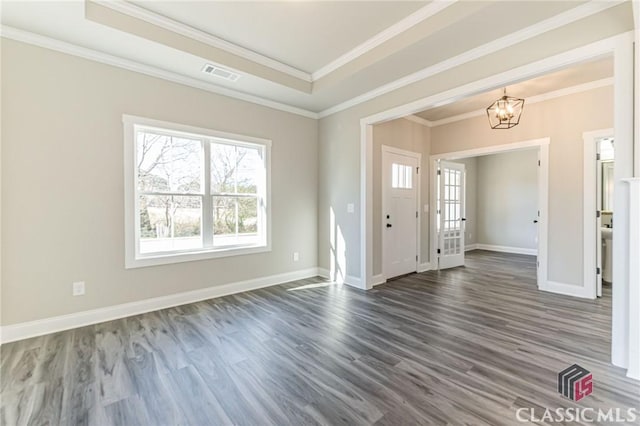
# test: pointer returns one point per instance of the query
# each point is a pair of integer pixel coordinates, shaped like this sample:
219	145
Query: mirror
607	186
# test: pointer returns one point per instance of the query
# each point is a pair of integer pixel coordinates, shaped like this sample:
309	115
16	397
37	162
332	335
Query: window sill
154	259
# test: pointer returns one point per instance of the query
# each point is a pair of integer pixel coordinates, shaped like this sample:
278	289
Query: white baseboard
324	273
378	279
424	267
25	330
469	247
349	280
566	289
506	249
354	282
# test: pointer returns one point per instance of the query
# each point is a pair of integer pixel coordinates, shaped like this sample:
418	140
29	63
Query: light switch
351	208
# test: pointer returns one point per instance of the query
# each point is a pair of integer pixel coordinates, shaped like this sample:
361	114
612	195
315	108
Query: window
401	176
193	193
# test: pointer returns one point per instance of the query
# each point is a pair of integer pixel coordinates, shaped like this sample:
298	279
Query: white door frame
589	221
543	194
418	156
621	47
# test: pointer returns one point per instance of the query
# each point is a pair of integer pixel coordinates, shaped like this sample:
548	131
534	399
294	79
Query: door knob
535	221
388	225
463	219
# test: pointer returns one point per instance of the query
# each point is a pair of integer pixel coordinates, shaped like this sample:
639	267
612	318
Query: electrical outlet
296	256
351	208
78	288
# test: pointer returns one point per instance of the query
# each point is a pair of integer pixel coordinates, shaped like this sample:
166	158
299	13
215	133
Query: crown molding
585	87
419	120
557	21
94	55
385	35
203	37
399	27
565	18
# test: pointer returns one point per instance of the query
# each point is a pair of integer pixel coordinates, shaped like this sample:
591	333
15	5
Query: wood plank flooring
468	345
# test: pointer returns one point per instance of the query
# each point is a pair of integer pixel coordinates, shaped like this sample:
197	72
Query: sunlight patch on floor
314	285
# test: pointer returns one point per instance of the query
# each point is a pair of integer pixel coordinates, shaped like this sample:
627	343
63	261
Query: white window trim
132	257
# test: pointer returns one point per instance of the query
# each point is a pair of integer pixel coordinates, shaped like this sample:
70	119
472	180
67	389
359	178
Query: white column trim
633	368
623	136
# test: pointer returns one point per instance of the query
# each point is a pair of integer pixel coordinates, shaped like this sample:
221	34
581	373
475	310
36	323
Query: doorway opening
621	49
599	190
448	222
605	160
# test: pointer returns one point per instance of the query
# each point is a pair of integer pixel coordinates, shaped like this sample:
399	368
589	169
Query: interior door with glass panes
451	183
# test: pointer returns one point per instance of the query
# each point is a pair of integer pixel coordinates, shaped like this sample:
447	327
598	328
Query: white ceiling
401	38
443	44
303	34
569	77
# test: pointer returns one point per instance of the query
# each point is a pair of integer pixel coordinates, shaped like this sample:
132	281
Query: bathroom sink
607	233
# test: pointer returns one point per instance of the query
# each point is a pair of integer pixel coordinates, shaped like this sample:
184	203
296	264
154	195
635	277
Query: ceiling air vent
220	72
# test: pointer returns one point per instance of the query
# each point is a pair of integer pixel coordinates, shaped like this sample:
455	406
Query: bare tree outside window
234	185
171	192
169	169
193	193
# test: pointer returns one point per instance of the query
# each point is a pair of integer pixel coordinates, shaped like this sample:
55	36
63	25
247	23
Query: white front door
451	183
399	213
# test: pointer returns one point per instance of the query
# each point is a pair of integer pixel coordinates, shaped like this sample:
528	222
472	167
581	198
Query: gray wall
62	183
62	154
339	133
507	199
410	136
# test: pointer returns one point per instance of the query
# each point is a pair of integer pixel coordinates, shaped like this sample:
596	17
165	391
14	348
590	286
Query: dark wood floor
463	346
